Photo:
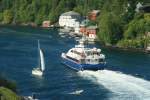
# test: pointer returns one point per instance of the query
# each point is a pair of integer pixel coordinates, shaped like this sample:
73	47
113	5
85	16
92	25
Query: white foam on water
77	92
122	86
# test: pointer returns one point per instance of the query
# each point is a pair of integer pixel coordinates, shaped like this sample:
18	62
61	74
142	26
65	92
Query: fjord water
126	78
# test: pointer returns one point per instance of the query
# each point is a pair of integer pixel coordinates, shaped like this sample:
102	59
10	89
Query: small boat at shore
77	92
30	97
39	70
84	58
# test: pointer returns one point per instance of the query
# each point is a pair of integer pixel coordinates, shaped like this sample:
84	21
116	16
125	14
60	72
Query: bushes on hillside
8	84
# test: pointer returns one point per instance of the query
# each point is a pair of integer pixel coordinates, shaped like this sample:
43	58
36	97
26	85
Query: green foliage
84	6
1	17
7	84
119	23
26	11
132	43
104	26
147	24
6	4
137	27
111	22
91	23
79	9
52	17
40	17
6	94
7	16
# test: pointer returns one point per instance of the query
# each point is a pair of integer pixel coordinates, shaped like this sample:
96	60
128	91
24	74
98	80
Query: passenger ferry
84	58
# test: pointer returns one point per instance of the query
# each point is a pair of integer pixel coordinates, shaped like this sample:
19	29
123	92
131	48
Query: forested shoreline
119	24
8	90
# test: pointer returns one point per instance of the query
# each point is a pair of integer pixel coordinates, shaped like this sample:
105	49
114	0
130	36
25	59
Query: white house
70	19
138	6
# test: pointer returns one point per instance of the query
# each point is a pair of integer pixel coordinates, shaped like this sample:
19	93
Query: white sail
42	63
39	71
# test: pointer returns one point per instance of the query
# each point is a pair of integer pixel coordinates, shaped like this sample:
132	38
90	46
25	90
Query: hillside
119	24
7	94
8	90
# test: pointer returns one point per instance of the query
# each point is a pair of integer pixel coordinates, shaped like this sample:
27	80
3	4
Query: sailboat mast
39	61
38	45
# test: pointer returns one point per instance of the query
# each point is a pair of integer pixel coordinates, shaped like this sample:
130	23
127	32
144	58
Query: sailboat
39	70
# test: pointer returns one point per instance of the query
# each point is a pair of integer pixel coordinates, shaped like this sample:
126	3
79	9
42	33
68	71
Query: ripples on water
18	56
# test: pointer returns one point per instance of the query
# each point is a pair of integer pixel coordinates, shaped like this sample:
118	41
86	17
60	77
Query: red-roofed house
89	31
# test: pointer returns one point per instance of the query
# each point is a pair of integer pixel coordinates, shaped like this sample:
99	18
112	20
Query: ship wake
122	86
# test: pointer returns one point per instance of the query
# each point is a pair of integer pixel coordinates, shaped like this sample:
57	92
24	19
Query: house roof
73	15
92	27
46	21
94	12
70	13
85	22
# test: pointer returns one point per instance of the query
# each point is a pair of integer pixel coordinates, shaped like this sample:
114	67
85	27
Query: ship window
88	53
72	59
101	60
82	61
78	53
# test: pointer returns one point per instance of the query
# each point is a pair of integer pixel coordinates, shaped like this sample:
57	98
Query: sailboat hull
37	71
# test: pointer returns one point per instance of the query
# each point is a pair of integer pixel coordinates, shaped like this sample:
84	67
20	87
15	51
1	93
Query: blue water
126	78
